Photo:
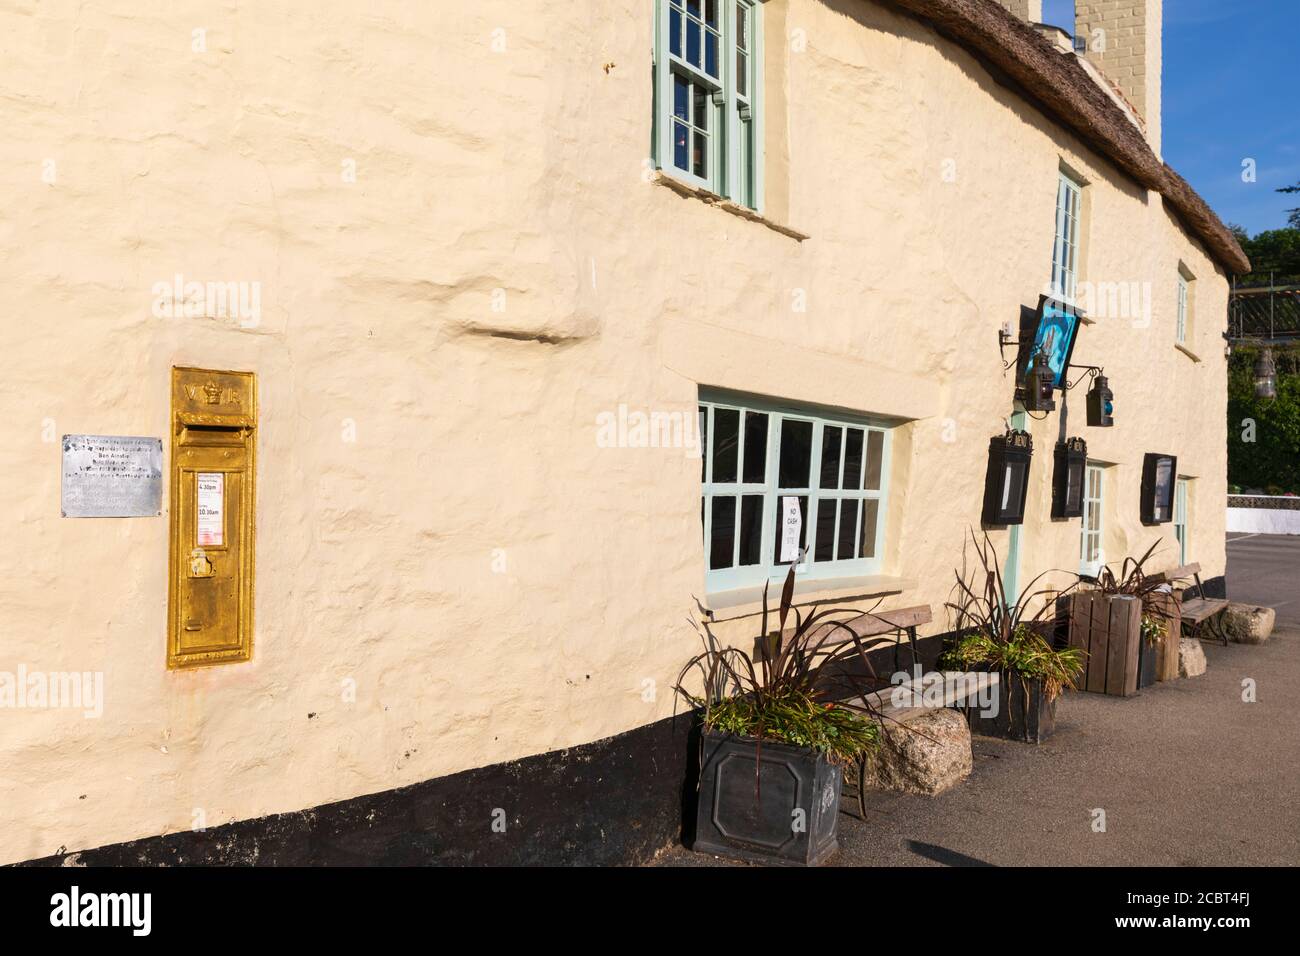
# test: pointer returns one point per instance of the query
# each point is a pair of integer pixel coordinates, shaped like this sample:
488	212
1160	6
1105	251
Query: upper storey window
1065	250
1180	330
708	85
1185	321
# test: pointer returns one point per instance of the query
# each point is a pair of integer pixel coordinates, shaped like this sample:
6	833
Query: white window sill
1186	351
748	601
691	191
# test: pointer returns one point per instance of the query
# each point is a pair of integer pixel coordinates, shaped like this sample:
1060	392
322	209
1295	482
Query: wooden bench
958	690
1200	609
904	702
877	624
868	625
898	703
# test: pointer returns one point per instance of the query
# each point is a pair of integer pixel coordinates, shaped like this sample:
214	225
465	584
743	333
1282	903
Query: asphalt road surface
1187	772
1265	569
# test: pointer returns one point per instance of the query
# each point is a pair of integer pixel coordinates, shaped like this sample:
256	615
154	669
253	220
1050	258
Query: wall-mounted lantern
1158	474
1006	483
1070	461
1265	375
1040	379
1101	403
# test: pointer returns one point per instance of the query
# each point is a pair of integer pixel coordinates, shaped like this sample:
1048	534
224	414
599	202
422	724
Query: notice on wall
791	526
111	476
211	523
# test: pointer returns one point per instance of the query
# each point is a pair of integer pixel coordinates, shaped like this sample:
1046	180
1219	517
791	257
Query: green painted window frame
1094	507
1065	245
768	569
1181	490
1180	330
734	157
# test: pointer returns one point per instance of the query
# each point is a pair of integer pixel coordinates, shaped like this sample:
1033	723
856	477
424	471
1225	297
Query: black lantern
1007	481
1039	381
1071	458
1265	375
1158	474
1101	403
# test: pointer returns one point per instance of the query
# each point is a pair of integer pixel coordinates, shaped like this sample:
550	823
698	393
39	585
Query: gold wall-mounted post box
213	477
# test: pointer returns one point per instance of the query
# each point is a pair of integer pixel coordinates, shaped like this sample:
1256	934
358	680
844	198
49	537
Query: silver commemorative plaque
111	476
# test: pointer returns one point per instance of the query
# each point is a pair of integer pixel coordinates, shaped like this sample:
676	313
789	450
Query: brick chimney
1123	40
1031	11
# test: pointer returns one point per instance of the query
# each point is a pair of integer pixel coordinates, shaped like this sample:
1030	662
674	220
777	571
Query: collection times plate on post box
213	476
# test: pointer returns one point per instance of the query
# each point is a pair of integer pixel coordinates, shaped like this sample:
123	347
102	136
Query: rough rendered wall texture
436	521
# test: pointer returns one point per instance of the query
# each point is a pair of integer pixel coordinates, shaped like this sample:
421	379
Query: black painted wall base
615	801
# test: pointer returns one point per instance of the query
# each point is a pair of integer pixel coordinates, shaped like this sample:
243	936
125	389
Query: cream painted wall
496	584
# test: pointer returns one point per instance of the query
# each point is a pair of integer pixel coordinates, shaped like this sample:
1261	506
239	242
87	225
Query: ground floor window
1091	554
1180	518
787	484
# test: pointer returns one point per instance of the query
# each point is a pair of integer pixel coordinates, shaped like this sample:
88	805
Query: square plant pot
789	818
1014	721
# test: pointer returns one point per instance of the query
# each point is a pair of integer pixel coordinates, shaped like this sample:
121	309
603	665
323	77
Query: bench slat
954	695
1178	573
867	624
1198	609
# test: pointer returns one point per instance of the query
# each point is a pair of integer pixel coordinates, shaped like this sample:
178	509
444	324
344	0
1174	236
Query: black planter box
1013	721
734	819
1147	653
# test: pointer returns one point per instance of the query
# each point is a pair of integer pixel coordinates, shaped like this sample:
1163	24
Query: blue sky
1231	92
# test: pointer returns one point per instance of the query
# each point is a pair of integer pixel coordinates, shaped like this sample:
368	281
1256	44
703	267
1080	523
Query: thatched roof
1060	86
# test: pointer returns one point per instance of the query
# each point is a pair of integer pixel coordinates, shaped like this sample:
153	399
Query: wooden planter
1012	721
1108	629
1148	658
1167	652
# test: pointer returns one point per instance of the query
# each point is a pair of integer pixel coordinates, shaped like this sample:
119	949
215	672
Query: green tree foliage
1264	436
1293	215
1275	251
1266	454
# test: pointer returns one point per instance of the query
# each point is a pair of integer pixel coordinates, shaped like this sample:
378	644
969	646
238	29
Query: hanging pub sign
1071	458
1158	474
1057	329
1007	482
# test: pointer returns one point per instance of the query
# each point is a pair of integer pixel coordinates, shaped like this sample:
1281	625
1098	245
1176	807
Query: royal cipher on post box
213	476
